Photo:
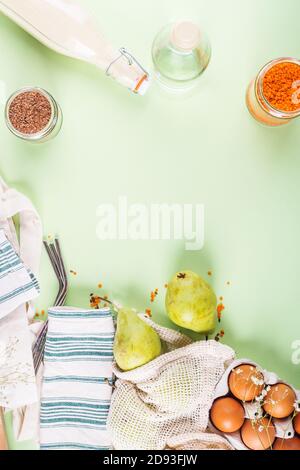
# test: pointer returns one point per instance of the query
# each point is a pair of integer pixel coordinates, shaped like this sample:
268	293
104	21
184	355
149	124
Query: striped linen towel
18	284
76	390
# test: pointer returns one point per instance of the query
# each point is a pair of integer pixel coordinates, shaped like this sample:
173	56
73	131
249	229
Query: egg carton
283	427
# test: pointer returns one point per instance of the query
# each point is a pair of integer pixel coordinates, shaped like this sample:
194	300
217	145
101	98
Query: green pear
191	302
136	343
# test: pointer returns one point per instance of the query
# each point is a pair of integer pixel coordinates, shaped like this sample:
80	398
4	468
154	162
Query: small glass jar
52	127
259	106
180	53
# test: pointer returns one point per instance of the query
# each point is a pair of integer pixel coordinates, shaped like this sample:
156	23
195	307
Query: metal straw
54	252
60	300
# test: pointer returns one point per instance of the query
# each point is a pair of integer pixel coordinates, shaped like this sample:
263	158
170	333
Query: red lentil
280	85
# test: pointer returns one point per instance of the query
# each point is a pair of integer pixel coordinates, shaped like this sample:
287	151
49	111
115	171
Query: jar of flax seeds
273	97
32	114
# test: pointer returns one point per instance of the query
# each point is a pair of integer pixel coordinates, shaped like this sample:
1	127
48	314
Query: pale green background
201	149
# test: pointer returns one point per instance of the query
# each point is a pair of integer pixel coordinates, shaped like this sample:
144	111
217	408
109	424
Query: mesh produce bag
166	403
198	441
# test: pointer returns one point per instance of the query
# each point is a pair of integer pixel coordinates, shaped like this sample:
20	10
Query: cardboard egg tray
284	427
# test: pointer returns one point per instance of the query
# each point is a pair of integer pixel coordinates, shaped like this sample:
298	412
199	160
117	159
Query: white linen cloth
18	284
17	379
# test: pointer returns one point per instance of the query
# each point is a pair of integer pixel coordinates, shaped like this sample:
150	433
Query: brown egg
258	435
246	382
279	401
287	444
227	414
296	423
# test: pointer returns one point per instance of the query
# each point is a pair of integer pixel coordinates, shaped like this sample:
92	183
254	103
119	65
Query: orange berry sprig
220	308
95	301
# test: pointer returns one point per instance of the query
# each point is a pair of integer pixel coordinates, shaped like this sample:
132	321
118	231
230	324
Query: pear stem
115	309
106	300
181	276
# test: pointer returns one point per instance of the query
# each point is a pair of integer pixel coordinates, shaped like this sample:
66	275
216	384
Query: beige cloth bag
165	404
198	441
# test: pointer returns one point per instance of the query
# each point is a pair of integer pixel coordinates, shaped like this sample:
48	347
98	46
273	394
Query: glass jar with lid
273	97
181	52
32	114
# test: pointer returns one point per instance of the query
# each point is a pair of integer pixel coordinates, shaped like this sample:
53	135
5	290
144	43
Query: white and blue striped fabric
18	284
76	390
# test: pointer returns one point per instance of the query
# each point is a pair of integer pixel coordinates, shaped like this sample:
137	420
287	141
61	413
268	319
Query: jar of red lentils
273	97
32	114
